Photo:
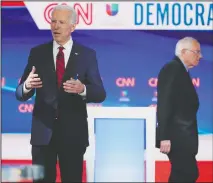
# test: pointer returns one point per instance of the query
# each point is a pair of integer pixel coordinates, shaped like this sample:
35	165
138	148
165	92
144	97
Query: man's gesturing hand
33	81
73	86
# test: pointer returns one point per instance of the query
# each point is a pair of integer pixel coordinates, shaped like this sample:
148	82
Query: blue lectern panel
119	153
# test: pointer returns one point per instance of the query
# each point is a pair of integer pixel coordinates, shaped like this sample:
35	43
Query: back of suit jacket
52	102
177	107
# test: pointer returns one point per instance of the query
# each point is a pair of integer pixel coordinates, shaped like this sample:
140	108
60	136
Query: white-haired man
65	76
177	106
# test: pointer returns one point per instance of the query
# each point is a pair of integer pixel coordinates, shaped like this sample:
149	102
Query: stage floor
16	151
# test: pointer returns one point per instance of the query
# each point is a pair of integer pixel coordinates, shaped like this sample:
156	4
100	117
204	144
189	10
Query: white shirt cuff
83	94
25	90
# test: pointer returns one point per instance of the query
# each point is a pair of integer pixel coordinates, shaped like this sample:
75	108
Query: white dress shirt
67	50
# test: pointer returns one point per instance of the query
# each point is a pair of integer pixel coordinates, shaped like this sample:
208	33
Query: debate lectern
122	144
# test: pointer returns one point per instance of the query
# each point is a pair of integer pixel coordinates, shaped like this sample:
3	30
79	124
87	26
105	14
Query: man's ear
73	27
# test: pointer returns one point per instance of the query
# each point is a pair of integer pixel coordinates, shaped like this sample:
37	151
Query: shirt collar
66	46
184	65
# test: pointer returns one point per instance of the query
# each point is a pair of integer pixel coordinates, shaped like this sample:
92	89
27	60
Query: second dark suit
60	118
177	108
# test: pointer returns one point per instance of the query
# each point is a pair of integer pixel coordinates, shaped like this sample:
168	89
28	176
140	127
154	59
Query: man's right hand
165	146
33	81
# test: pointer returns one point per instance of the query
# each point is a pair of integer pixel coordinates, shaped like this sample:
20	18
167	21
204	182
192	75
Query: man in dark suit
65	76
177	106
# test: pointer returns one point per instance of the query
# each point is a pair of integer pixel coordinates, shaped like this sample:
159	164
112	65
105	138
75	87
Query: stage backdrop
129	60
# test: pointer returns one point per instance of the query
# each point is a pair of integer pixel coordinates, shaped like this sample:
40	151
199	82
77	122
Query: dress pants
183	167
70	158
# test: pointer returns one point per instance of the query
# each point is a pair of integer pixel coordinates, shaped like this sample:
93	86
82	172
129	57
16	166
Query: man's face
192	55
61	26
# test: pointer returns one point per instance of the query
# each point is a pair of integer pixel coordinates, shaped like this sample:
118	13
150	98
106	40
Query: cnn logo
25	108
125	82
153	82
84	12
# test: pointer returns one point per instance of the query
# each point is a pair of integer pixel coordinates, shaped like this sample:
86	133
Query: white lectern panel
148	114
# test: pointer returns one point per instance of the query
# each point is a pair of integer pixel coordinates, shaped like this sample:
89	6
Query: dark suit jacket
51	101
177	107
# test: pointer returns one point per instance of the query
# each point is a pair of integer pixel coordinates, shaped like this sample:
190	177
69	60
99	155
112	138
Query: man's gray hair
73	18
184	43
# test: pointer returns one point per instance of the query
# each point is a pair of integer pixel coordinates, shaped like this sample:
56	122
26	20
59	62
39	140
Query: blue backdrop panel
137	55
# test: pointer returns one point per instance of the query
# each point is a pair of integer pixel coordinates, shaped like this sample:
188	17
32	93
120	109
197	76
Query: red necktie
60	65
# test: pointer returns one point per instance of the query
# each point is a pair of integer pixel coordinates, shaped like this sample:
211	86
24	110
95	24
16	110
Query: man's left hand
73	86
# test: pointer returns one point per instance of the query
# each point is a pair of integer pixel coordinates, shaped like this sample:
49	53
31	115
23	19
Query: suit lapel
191	87
70	69
194	92
50	71
50	57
